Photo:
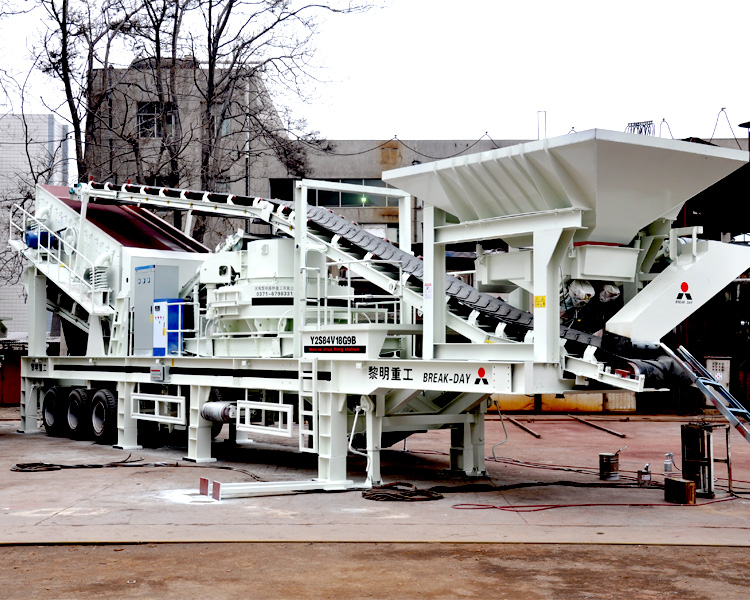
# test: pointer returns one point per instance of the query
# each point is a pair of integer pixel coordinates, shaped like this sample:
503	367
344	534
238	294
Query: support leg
477	444
199	429
127	426
31	399
36	285
374	425
467	447
332	437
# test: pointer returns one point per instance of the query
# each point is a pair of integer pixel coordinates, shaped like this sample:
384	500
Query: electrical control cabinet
150	282
168	325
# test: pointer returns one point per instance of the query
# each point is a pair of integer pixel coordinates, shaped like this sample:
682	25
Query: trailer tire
104	417
78	415
54	411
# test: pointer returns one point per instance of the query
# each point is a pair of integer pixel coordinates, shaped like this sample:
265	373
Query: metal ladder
308	405
737	415
118	341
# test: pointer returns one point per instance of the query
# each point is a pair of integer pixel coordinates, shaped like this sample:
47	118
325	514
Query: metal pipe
526	429
590	424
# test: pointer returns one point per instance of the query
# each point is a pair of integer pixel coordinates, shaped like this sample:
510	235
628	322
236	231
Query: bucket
609	466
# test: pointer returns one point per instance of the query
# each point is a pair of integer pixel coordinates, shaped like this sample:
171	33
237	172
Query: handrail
52	246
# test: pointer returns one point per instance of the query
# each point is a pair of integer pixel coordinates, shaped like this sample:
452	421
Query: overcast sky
455	69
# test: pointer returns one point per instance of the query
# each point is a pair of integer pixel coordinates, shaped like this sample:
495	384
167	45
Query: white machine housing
273	327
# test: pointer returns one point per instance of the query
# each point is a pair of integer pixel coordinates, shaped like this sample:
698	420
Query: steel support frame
467	445
550	246
404	241
434	303
36	286
510	226
199	429
300	262
374	433
127	425
31	402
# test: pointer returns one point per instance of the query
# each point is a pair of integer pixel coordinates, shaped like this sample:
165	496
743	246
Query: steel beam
501	227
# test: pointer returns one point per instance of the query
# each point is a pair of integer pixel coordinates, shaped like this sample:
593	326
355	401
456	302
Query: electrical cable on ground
540	507
127	462
399	492
625	474
37	467
407	492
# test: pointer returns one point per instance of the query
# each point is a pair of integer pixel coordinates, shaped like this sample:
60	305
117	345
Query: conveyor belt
131	226
491	307
463	297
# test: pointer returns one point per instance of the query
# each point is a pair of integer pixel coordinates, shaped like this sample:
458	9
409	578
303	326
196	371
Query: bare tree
249	47
194	108
81	37
178	92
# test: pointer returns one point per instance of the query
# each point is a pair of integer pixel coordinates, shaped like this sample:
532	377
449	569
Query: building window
149	120
223	184
222	125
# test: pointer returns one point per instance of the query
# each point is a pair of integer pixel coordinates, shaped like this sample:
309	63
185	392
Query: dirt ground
366	570
70	533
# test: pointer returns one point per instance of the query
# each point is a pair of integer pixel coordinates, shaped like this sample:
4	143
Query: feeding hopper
625	181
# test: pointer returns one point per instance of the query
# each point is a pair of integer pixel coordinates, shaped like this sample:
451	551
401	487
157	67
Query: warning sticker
540	301
336	349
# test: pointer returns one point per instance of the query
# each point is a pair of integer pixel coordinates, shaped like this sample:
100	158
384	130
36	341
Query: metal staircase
308	405
727	405
118	341
57	260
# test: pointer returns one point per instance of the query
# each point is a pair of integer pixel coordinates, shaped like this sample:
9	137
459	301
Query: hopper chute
623	181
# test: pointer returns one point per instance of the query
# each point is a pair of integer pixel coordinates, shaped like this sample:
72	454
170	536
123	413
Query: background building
167	123
33	148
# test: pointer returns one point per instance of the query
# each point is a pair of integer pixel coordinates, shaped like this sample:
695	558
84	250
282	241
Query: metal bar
522	426
485	229
352	188
729	461
594	425
221	491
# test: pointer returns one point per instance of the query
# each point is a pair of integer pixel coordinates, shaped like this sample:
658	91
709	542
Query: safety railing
347	306
45	247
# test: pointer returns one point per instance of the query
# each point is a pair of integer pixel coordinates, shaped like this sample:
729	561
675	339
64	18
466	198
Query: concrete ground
589	535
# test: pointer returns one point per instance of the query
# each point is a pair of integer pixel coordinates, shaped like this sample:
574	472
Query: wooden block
679	491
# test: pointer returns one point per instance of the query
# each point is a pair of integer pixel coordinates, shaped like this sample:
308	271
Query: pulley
219	412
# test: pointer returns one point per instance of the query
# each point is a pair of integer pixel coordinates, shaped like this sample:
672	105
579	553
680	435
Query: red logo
481	377
683	296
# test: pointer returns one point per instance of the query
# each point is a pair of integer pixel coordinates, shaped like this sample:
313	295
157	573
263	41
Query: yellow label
540	301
